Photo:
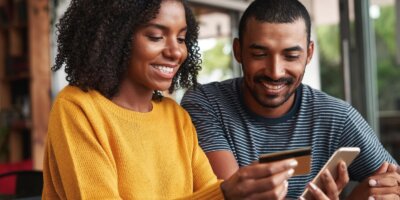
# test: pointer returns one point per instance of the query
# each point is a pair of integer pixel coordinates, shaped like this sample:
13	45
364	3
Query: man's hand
260	181
383	184
331	187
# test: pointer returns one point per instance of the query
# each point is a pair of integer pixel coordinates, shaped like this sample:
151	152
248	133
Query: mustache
285	80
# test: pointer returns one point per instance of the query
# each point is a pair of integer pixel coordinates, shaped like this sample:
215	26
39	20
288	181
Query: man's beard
288	81
255	96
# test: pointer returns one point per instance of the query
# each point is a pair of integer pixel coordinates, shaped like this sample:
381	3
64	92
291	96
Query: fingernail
291	172
372	182
326	174
343	166
302	198
313	186
286	184
293	163
371	198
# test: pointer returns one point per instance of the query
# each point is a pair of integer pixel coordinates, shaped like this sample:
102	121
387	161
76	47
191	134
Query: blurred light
207	44
374	11
227	48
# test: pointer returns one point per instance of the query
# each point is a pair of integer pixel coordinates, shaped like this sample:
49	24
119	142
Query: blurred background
357	59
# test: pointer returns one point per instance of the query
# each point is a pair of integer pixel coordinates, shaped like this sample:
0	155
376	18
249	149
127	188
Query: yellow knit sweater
98	150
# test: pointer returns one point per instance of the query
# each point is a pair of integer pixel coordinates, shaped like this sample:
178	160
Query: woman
111	134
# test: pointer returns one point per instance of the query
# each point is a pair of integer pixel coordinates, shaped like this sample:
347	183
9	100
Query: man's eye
292	57
258	55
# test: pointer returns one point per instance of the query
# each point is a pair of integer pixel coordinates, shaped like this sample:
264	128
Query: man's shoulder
228	84
215	88
317	96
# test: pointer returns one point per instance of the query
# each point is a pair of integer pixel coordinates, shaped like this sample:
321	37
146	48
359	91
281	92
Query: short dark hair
95	43
275	11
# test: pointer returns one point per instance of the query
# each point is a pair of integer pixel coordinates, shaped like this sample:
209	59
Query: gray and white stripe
318	120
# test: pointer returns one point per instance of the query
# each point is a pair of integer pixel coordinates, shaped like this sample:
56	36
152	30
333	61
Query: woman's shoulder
74	95
172	106
168	103
71	92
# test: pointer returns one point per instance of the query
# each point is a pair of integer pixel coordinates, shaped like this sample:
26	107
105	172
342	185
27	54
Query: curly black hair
95	43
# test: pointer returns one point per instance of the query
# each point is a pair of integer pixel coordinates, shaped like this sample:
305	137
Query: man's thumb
382	169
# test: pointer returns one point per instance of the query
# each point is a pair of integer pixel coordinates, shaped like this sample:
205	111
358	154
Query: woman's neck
133	98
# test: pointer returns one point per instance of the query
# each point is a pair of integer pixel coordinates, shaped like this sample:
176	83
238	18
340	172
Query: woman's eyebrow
163	27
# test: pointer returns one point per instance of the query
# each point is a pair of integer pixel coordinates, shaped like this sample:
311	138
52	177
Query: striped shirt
316	119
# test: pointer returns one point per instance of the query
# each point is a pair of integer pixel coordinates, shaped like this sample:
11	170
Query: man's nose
276	69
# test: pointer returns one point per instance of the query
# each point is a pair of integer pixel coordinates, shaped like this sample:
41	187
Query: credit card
302	155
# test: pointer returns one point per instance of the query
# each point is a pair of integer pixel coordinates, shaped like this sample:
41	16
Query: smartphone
302	155
347	154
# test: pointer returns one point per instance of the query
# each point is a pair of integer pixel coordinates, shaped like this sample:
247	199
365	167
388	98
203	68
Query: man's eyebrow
257	46
295	48
162	27
261	47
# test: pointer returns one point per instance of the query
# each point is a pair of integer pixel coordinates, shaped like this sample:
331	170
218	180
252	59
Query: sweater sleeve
79	166
205	183
212	192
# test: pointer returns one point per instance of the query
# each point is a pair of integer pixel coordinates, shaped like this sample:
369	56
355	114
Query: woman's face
159	48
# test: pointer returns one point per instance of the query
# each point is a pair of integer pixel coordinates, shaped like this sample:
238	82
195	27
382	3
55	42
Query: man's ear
310	52
237	50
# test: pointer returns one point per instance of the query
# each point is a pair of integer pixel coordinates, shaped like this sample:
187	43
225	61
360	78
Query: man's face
273	58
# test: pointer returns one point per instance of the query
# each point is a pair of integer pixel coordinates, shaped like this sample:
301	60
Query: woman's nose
174	50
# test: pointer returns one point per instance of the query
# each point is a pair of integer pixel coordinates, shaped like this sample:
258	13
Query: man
269	109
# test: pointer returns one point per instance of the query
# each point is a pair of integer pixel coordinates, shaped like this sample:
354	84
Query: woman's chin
163	87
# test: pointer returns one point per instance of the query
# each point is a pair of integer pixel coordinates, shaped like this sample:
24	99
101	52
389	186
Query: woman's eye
181	39
155	38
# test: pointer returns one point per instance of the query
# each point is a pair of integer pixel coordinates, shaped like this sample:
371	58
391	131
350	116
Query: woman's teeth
163	69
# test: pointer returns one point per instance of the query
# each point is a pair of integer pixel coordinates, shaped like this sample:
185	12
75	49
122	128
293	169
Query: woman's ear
237	50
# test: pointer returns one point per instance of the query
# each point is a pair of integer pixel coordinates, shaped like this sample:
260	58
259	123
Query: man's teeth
164	69
273	87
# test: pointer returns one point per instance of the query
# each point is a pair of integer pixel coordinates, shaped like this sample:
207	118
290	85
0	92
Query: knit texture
98	150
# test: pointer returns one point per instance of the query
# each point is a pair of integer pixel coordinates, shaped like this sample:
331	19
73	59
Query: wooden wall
39	54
